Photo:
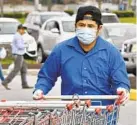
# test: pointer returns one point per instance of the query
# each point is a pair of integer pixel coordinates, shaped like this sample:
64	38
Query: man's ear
99	29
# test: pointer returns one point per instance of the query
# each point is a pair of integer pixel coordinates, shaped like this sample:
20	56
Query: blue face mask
86	35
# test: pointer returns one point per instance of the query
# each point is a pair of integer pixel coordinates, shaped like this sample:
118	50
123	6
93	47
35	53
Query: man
18	50
87	64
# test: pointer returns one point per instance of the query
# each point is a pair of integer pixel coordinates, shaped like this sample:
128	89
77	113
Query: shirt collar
74	42
100	44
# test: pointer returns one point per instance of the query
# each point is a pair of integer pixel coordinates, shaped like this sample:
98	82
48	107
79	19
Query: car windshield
8	27
110	19
46	17
68	26
122	31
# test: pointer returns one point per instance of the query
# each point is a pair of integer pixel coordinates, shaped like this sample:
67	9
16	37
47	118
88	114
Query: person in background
87	64
18	51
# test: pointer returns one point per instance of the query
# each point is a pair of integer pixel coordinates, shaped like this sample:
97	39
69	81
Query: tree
1	7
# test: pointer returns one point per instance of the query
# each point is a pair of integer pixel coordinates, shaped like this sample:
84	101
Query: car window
37	19
8	27
122	31
46	17
28	19
68	26
110	19
52	24
33	19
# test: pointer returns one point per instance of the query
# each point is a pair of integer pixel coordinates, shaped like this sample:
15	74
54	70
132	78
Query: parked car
8	27
119	32
107	18
56	30
31	50
35	20
129	49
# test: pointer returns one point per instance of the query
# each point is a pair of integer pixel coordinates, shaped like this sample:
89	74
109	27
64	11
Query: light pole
49	3
1	7
99	4
36	2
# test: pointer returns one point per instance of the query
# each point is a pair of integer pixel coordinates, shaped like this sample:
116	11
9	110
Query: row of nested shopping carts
64	110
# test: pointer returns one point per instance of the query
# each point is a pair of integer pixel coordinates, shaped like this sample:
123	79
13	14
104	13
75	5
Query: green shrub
70	12
124	13
16	15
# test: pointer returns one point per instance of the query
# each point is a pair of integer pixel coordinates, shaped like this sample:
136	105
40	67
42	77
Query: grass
123	20
128	20
10	60
22	20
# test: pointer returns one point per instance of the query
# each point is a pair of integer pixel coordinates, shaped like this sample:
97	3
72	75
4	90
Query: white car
107	18
8	27
120	32
31	50
56	30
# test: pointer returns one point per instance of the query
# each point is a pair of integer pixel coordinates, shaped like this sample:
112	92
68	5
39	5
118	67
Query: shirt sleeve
49	72
19	42
118	72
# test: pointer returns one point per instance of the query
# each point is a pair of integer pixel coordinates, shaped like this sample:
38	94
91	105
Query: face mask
86	35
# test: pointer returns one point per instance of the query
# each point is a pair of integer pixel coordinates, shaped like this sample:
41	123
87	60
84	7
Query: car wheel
40	55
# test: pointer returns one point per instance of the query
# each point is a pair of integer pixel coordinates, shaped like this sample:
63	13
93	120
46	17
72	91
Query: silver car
129	49
56	30
35	20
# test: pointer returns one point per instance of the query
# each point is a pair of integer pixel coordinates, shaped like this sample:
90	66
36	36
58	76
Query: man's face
21	31
86	23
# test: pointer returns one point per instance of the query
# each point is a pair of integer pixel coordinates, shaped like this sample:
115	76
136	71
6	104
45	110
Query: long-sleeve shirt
99	72
18	45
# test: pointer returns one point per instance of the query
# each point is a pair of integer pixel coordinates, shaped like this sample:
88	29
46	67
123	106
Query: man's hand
38	94
123	95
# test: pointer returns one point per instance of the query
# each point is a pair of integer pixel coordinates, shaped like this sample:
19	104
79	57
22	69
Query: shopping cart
64	110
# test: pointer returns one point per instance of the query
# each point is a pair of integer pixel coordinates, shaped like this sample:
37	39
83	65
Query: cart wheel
69	107
88	103
98	111
110	108
10	109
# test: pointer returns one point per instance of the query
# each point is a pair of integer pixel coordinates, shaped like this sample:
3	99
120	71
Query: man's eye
81	25
90	26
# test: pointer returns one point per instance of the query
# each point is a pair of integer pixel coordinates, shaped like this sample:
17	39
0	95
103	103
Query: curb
133	94
29	71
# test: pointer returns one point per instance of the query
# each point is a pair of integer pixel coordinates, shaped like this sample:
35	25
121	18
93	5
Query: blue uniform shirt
99	72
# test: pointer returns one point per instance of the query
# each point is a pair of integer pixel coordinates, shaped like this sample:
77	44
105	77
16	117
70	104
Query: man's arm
49	72
119	77
118	70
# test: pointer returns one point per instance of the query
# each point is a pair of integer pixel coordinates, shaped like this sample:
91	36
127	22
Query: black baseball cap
91	10
20	26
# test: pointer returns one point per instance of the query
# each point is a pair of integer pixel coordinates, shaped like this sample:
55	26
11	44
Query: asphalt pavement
127	113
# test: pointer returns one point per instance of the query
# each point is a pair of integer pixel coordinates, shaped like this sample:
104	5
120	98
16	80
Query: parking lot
41	31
